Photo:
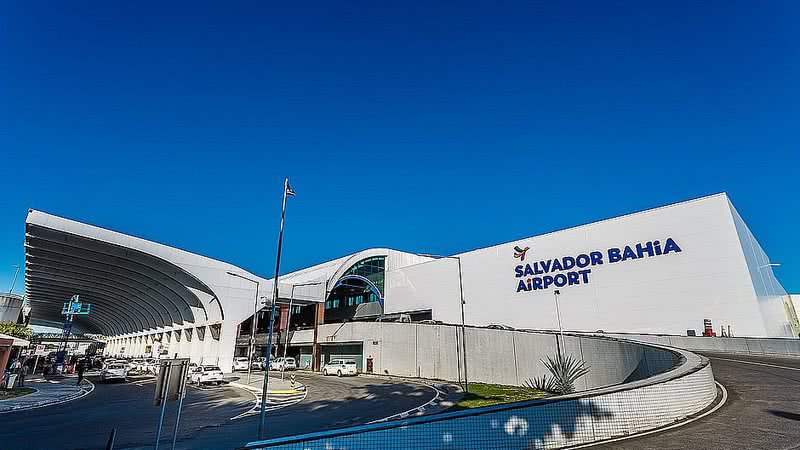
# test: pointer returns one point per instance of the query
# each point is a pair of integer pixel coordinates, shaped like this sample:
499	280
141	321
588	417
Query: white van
340	367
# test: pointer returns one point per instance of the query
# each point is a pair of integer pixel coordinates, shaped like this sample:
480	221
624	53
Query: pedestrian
80	368
23	371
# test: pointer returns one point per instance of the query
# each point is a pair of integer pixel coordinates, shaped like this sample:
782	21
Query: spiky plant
543	383
564	372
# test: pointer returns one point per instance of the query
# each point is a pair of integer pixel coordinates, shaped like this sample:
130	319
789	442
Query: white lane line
659	430
272	403
755	363
83	394
420	408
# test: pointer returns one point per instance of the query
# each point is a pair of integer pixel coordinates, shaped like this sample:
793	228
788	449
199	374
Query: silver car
114	371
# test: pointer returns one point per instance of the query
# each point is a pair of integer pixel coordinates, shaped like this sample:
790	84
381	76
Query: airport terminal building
663	270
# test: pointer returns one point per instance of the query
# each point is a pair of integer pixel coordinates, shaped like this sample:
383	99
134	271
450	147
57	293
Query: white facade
716	270
696	260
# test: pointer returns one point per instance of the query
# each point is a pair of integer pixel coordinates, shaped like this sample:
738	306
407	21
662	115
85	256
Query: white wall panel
668	293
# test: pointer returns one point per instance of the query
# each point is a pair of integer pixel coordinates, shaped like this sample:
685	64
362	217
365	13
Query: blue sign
575	270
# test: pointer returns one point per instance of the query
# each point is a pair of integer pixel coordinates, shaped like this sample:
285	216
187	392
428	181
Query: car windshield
350	363
290	360
210	368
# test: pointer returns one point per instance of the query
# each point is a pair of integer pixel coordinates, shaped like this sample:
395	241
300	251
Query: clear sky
417	126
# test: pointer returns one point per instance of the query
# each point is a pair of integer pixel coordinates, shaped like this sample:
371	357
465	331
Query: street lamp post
556	293
463	325
287	192
14	280
252	347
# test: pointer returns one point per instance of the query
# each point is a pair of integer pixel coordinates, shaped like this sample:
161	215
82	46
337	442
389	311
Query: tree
16	330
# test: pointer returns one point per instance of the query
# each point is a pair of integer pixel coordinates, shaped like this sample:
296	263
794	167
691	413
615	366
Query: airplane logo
520	252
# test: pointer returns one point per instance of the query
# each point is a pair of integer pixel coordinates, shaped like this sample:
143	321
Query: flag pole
287	191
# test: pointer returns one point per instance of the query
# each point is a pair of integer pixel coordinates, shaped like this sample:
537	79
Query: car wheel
338	373
324	373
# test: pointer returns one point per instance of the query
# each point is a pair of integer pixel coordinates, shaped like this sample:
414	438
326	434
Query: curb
43	403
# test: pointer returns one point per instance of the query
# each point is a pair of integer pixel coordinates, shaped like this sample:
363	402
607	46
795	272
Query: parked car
258	363
206	374
137	365
340	367
151	366
108	362
192	368
241	363
115	371
283	364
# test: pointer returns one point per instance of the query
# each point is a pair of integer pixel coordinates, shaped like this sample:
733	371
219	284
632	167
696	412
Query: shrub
564	372
16	330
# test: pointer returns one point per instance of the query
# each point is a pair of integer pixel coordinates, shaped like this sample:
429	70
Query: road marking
273	403
420	409
755	363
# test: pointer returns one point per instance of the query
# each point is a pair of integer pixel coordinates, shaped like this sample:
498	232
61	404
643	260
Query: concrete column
226	347
316	349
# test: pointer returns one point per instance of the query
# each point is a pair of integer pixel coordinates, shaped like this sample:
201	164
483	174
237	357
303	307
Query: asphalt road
331	402
206	420
86	423
762	410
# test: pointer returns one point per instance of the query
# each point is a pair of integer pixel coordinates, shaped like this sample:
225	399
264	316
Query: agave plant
564	372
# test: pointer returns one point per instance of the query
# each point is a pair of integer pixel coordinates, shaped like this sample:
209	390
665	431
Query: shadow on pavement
784	414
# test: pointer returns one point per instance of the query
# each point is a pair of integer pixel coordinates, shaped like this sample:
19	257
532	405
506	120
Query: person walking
80	368
23	371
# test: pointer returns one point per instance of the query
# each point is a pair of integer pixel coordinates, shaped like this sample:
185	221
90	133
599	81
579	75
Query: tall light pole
289	321
14	280
252	347
556	293
463	325
287	192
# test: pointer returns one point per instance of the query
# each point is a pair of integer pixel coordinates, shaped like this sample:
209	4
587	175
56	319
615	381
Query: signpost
73	308
170	385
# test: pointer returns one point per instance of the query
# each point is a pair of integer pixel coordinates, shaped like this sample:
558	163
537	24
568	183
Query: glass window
336	303
328	305
370	268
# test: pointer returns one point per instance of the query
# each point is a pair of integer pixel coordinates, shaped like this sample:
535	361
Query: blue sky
428	128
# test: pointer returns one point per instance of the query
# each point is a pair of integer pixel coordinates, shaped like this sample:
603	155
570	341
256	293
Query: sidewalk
52	390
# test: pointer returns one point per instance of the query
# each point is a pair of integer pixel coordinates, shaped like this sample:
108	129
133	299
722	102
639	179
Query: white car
258	363
190	371
241	363
138	365
340	367
115	371
283	364
206	374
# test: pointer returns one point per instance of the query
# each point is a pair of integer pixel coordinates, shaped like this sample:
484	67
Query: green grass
481	394
6	394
